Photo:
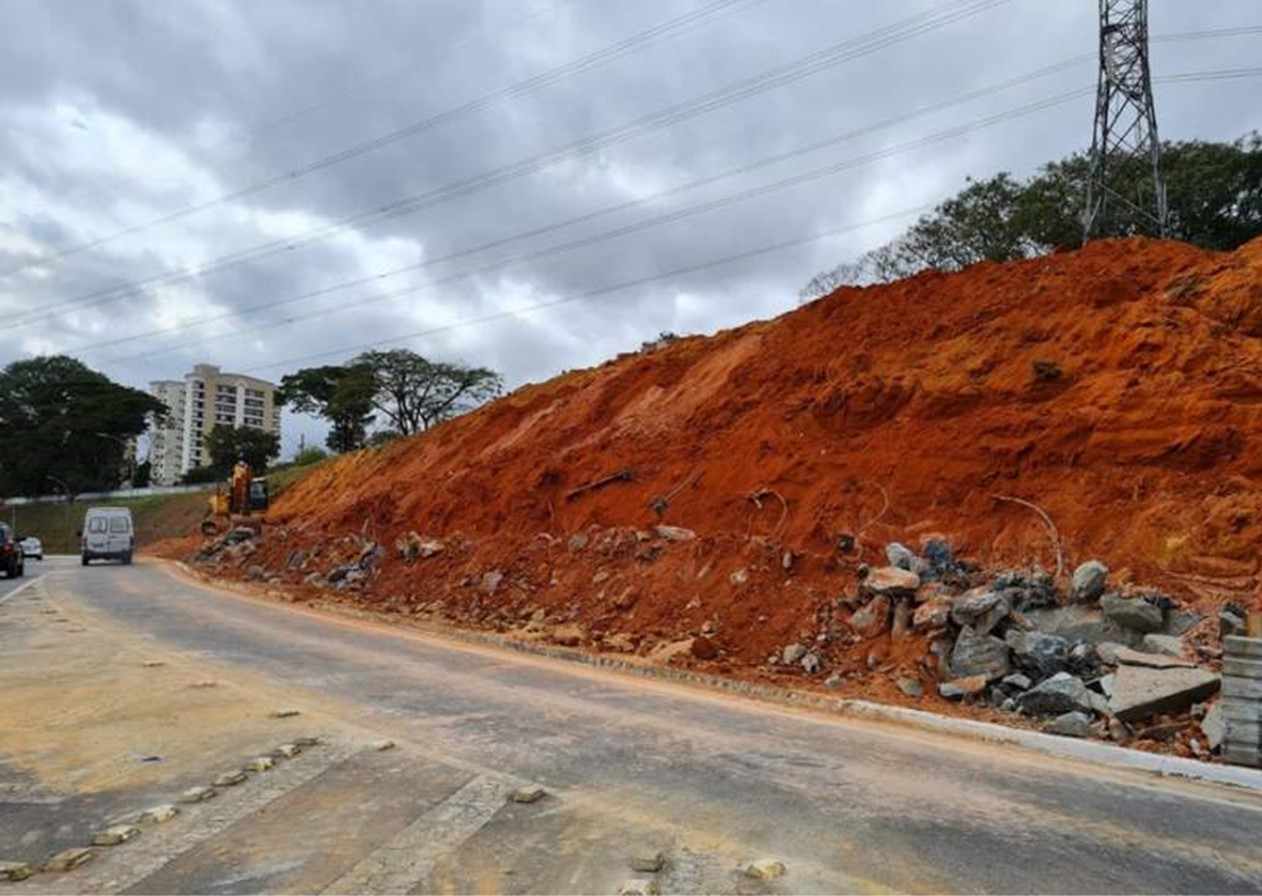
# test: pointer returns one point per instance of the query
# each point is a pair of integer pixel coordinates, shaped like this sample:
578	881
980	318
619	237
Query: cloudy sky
530	185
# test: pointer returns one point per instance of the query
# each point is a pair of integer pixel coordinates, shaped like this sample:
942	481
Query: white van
108	532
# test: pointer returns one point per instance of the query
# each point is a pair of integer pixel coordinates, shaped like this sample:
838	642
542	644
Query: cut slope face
1119	387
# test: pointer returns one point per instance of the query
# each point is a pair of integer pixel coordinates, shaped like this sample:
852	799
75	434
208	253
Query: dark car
11	559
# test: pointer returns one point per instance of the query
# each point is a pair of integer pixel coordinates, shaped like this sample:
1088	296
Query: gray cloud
113	114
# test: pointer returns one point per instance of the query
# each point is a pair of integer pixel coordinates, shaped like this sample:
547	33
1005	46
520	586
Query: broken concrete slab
1080	623
1127	657
1135	614
1214	727
642	886
1170	645
1140	692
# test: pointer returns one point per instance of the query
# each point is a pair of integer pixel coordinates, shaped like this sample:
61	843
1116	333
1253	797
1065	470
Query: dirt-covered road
123	687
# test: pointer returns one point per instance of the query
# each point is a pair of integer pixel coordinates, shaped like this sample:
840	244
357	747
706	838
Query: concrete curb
1108	755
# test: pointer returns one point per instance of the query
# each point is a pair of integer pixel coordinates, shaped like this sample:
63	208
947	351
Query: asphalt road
629	767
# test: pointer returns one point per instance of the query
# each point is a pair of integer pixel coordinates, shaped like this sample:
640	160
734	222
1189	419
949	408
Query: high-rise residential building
204	398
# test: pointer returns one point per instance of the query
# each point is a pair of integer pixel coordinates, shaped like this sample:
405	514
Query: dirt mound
1118	387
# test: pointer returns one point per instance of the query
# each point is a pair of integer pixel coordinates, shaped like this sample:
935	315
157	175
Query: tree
343	395
61	422
227	444
1214	191
312	454
143	475
414	393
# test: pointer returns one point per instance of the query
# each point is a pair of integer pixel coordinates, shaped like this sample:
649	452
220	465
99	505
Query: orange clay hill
716	499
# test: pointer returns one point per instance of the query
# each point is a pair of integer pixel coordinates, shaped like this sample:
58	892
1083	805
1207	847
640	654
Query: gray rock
835	680
159	814
1038	652
976	653
1136	614
890	580
1106	651
255	573
765	870
900	557
911	687
230	779
197	794
1060	694
811	663
491	581
1140	692
1071	724
1170	645
1088	581
297	560
1017	681
937	558
1231	621
1214	727
959	688
933	613
1080	623
648	864
1105	684
1179	622
792	654
577	541
980	608
873	618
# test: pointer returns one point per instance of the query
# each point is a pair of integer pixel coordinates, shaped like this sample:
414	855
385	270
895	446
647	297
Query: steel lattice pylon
1125	147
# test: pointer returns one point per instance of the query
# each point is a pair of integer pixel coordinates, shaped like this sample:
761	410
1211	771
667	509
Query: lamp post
131	461
70	539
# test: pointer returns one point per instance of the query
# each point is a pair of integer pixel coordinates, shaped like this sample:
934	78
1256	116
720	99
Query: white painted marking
410	857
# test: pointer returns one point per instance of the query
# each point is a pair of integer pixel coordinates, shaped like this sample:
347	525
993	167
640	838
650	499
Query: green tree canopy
1214	192
63	426
343	395
227	444
414	393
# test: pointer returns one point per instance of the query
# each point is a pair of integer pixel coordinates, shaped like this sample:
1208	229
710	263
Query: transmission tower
1125	162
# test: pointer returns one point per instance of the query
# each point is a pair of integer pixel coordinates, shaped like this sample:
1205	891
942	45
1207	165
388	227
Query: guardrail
117	493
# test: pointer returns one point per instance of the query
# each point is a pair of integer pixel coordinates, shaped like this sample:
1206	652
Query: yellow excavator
243	502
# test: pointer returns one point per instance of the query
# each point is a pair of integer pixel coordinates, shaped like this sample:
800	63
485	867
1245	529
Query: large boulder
977	653
1088	581
1060	694
1135	614
1081	623
1140	692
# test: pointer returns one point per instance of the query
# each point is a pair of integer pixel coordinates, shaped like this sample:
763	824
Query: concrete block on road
261	764
159	814
112	836
70	858
765	870
15	871
529	794
641	886
197	794
288	751
648	864
230	779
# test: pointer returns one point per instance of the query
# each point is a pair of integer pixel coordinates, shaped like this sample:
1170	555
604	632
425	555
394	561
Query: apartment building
204	398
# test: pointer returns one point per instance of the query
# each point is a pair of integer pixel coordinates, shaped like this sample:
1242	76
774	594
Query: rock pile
1088	661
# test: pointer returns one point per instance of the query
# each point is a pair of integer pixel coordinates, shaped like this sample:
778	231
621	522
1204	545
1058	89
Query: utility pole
1125	163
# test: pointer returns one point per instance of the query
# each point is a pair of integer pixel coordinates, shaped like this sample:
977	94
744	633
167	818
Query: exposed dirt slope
1119	387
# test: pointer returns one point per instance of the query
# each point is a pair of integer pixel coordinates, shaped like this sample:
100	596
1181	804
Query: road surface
122	686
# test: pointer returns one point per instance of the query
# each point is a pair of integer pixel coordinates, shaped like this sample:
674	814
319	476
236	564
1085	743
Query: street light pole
70	539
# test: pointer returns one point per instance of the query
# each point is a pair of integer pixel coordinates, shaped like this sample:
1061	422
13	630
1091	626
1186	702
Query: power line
587	218
519	89
678	215
601	291
985	122
608	211
812	64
